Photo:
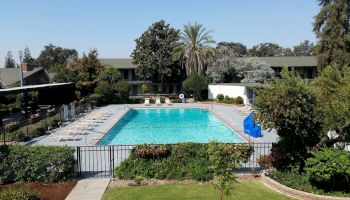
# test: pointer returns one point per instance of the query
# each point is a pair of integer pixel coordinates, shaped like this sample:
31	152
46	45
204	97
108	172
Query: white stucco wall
230	90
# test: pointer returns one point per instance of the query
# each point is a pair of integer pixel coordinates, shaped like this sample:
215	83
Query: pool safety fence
101	161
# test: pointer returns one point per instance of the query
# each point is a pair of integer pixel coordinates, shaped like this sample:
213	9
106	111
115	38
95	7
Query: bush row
180	161
326	172
229	100
18	194
35	163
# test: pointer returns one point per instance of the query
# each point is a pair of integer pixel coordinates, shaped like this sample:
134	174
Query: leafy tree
88	68
305	48
266	49
287	52
9	61
153	52
194	48
195	83
333	90
225	159
110	87
53	55
65	75
289	106
238	49
332	28
27	58
223	68
254	71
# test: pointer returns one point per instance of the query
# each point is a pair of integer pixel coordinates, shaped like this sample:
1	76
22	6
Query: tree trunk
222	196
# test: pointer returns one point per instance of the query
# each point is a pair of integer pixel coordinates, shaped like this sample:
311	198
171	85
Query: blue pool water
169	126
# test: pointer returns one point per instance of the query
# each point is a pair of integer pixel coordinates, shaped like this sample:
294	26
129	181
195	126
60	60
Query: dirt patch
154	182
58	191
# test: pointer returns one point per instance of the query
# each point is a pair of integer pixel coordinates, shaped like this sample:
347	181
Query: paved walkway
89	189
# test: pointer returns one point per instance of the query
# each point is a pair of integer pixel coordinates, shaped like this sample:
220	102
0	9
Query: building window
126	74
171	89
163	89
155	88
178	89
134	90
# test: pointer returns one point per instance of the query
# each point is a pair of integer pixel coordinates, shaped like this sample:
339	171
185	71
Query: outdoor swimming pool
169	126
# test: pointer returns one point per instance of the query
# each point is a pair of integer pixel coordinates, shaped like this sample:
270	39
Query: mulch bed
58	191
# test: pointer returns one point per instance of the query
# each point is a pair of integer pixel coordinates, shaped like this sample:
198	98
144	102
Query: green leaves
153	53
330	168
195	83
194	48
36	163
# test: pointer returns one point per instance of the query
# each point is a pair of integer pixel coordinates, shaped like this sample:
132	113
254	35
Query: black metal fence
101	161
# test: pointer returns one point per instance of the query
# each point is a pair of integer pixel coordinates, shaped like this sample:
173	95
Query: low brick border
297	194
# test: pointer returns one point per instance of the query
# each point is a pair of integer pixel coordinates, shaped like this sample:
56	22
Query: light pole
21	69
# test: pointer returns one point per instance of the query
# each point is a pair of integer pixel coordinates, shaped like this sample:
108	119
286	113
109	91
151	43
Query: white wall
229	90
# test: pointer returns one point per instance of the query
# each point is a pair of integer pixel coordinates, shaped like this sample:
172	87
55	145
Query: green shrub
300	181
180	161
36	163
227	98
265	161
329	168
220	97
18	194
239	100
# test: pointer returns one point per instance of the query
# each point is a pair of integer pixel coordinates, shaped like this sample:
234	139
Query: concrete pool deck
227	113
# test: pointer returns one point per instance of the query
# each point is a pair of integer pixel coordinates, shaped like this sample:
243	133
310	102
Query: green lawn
244	190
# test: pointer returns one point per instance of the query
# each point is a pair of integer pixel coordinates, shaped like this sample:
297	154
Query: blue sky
112	26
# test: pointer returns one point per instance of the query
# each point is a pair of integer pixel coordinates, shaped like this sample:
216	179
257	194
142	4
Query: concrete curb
297	194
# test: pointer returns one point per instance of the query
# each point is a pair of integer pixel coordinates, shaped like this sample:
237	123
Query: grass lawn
244	190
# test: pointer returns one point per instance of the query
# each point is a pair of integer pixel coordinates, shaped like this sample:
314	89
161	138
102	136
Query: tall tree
332	88
266	49
9	61
305	48
55	55
254	71
27	58
88	68
332	28
289	106
223	67
153	52
194	48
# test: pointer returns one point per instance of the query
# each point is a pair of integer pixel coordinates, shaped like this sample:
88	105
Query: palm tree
194	48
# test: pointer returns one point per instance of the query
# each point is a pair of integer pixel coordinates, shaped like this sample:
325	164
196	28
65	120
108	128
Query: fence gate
99	161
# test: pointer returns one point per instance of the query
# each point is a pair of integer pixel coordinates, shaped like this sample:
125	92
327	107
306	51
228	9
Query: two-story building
306	66
127	70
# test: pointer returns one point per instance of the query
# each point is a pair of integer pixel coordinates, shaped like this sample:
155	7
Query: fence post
78	163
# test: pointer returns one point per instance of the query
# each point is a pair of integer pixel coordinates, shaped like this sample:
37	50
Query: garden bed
57	191
301	182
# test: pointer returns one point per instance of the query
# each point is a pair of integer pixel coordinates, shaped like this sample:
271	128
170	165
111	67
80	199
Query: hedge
179	161
18	194
36	163
329	169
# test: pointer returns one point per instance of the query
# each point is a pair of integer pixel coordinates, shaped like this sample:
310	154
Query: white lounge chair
158	103
147	102
167	101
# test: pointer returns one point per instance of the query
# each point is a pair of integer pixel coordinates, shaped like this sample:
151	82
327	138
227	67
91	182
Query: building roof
290	61
28	88
9	76
120	63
